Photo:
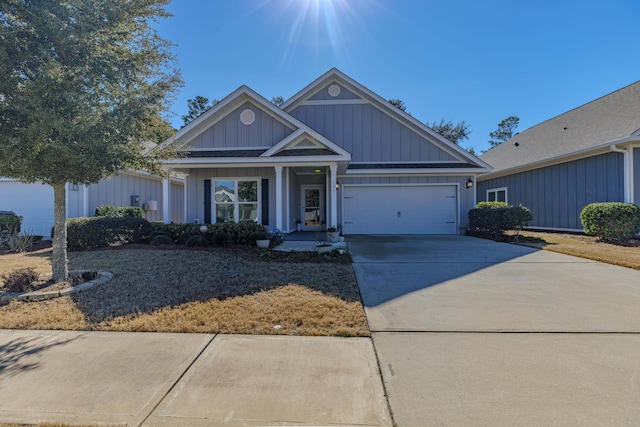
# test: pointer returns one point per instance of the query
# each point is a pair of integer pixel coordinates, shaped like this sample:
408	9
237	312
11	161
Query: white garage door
401	209
34	202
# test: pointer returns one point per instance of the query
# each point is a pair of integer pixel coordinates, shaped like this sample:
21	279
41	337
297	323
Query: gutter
626	161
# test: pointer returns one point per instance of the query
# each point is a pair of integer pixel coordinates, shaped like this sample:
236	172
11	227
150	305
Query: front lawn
237	290
584	247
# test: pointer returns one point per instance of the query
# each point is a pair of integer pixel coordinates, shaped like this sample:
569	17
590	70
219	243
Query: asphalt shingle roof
611	117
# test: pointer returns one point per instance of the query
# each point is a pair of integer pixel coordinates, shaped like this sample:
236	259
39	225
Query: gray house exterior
586	155
334	154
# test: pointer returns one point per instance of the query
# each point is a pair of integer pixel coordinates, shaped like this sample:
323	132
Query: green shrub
182	239
19	243
197	240
161	239
20	280
221	239
251	238
98	232
612	221
492	219
156	233
492	205
176	230
119	211
10	222
240	232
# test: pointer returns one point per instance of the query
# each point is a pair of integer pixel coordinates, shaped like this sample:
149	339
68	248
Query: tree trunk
59	261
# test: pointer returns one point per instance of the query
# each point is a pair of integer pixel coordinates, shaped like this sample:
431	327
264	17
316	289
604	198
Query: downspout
626	161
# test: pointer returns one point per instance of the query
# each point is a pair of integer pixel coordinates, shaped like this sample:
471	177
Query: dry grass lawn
585	247
216	290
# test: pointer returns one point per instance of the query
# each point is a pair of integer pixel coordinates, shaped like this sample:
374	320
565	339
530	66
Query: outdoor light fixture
318	171
337	186
469	183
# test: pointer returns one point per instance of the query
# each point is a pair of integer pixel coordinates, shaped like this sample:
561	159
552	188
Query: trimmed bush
20	280
492	205
119	211
197	240
98	232
182	239
221	239
176	230
156	233
492	219
612	221
161	239
239	232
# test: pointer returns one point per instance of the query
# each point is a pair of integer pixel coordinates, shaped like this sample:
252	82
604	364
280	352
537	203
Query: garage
400	209
33	202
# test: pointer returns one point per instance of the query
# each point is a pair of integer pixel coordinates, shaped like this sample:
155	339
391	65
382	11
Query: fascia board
576	155
257	161
425	171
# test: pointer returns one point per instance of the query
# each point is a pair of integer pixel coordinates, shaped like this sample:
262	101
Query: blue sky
478	61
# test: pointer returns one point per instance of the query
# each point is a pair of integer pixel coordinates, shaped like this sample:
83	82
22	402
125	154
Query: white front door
312	207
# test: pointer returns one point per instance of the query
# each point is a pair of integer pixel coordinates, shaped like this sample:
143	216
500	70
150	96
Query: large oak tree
82	84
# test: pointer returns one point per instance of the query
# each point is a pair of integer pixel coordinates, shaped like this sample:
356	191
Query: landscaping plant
611	221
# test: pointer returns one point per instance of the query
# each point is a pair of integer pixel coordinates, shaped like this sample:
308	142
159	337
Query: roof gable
317	93
585	129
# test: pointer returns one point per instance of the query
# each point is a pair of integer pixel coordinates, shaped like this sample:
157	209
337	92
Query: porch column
184	199
166	210
334	195
278	197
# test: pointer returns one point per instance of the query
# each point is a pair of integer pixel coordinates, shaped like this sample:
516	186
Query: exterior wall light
469	183
337	186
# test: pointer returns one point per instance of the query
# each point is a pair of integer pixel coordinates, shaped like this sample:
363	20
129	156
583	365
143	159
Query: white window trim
496	190
236	203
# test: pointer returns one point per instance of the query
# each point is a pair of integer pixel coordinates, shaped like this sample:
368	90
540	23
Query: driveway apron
473	332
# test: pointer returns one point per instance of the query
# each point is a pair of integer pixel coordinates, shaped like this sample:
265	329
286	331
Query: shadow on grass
147	279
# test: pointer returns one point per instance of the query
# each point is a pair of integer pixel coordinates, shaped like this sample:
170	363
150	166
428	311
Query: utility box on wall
151	205
135	201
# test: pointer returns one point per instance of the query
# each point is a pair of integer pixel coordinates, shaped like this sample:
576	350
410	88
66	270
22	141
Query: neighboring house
589	154
34	202
335	153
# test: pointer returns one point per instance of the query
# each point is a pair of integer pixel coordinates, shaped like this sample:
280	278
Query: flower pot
340	238
299	226
263	243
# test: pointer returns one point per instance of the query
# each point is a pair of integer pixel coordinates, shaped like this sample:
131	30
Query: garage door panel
400	209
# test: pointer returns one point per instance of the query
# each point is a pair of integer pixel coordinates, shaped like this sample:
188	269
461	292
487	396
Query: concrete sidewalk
154	379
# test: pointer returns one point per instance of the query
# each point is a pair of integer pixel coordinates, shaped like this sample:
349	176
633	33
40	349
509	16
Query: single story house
334	154
34	202
586	155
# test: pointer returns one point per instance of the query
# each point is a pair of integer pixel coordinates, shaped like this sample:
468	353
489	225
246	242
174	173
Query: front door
312	207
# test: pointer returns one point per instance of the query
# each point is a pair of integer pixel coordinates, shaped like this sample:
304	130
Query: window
497	195
236	200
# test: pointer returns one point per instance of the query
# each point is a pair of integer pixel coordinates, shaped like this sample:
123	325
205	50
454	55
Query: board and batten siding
324	95
369	134
195	189
557	194
465	196
636	176
117	191
230	132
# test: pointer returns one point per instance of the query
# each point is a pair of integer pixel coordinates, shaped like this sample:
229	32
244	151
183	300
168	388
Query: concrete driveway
473	332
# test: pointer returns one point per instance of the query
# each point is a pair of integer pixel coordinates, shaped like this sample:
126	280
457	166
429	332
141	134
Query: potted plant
340	235
277	236
298	225
262	239
332	234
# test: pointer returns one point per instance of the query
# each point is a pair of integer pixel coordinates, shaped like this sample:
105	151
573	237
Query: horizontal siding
557	194
369	134
230	132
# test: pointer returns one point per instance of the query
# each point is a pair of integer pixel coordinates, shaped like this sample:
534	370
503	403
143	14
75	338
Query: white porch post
166	209
184	197
85	200
334	195
278	197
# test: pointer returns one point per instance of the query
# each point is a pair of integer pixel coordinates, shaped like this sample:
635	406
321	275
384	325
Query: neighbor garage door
34	202
401	209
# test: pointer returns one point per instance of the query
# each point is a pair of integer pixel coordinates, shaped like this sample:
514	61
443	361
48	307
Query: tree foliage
82	83
399	103
506	130
277	101
197	107
457	132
